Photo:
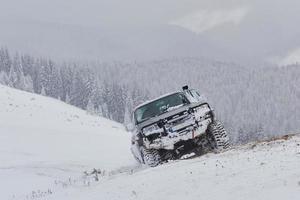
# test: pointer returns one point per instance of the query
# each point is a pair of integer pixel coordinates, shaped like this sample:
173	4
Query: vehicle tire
218	137
151	157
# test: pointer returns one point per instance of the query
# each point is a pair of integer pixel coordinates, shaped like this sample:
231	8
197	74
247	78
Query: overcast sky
266	30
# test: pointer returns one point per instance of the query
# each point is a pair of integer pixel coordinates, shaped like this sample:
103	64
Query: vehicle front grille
153	136
180	122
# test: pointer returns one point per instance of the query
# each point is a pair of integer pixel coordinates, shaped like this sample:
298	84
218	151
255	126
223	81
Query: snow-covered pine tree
82	88
55	84
14	75
66	76
45	75
67	99
28	84
90	108
5	60
43	92
3	78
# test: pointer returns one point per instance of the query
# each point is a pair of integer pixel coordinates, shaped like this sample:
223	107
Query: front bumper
168	142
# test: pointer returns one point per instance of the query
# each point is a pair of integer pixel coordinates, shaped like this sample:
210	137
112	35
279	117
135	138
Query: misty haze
111	99
240	31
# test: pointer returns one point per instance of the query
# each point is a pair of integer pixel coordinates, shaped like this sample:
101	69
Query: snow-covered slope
263	171
43	140
46	145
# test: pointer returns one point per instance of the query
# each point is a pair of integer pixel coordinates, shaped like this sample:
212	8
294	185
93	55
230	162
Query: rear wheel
151	157
217	136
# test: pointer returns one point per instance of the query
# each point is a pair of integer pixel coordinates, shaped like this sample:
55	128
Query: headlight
202	112
152	129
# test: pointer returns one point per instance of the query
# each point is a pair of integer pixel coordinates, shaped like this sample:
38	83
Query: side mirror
185	88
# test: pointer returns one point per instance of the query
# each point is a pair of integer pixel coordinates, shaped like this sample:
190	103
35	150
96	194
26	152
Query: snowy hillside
264	171
43	140
46	147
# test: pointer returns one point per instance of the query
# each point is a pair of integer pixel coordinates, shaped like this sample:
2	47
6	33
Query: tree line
78	85
253	101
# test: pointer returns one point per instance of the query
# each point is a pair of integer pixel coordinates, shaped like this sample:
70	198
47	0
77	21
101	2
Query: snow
46	146
43	140
256	171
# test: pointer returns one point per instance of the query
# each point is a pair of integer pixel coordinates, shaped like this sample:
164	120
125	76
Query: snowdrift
43	140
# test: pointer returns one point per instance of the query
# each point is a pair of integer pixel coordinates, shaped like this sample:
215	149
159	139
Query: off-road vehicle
174	125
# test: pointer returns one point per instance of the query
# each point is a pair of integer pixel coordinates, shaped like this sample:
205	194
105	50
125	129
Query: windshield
159	107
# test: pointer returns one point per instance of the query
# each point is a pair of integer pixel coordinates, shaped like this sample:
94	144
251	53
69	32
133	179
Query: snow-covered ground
46	145
44	142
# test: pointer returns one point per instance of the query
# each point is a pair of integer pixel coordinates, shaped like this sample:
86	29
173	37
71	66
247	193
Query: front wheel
151	157
217	136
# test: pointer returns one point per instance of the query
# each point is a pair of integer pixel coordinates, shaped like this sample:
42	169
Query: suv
173	125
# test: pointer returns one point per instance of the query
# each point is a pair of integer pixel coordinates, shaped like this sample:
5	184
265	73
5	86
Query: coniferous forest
252	101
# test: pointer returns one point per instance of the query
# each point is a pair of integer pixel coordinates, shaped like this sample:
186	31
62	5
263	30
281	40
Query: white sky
111	12
270	27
